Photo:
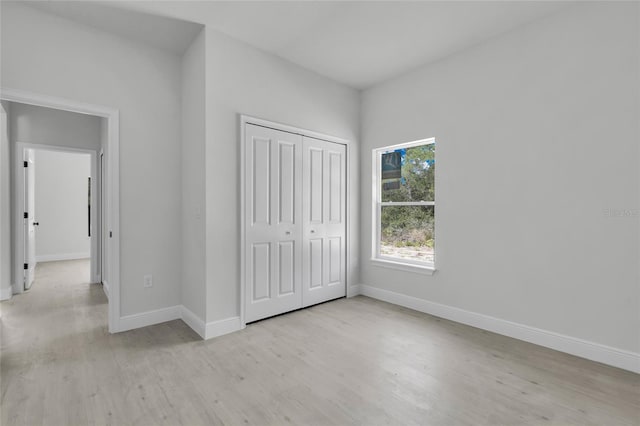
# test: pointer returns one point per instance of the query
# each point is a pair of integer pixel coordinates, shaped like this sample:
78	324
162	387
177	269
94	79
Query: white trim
6	293
56	148
243	228
193	321
158	316
145	319
412	144
211	329
382	262
100	274
30	98
113	179
62	256
243	121
353	290
407	203
585	349
222	327
105	288
246	119
377	259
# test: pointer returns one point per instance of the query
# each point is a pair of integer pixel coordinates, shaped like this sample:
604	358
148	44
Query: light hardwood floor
351	361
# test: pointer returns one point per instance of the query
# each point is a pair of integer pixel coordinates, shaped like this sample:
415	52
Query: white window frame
388	261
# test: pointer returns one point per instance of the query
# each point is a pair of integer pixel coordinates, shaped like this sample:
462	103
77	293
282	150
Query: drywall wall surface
244	80
193	177
5	197
47	126
61	208
45	54
537	151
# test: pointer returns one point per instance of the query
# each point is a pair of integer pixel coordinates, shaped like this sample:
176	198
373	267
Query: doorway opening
61	201
99	215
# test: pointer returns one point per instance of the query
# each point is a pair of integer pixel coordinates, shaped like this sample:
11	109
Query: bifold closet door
273	208
324	221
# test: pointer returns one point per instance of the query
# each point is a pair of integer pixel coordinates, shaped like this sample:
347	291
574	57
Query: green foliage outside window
418	176
408	231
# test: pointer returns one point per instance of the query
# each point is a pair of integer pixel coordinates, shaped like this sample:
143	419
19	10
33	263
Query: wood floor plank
349	362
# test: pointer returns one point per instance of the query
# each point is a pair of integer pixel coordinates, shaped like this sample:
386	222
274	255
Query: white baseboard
222	327
211	329
594	351
353	290
6	293
193	321
62	256
204	330
105	288
145	319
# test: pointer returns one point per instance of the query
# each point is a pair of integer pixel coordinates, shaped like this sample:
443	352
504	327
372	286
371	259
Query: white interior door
324	221
29	220
273	213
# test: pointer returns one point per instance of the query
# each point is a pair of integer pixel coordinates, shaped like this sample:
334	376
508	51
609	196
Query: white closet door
324	221
273	222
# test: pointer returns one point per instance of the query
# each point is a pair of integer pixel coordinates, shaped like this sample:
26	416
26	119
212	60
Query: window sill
400	266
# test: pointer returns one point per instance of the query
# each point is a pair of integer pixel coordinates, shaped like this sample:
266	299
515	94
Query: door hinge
26	215
26	266
25	164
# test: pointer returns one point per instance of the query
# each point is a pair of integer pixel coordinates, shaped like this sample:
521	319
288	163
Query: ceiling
359	43
159	31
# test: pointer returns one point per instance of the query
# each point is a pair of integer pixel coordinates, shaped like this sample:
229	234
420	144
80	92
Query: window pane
415	182
407	232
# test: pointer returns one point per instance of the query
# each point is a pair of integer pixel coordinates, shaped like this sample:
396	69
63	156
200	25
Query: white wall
162	183
5	210
49	55
244	80
47	126
193	178
61	205
537	135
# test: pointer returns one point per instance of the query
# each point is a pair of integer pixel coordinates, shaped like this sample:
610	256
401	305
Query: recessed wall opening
59	195
61	191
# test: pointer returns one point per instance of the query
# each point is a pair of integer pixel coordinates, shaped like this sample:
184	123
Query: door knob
313	231
288	232
36	223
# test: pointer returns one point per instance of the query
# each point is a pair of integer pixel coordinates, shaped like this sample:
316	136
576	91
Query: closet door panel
287	184
324	227
273	206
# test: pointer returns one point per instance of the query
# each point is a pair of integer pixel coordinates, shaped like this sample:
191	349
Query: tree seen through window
407	207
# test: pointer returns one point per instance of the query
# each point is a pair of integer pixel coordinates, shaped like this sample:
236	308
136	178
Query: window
404	204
